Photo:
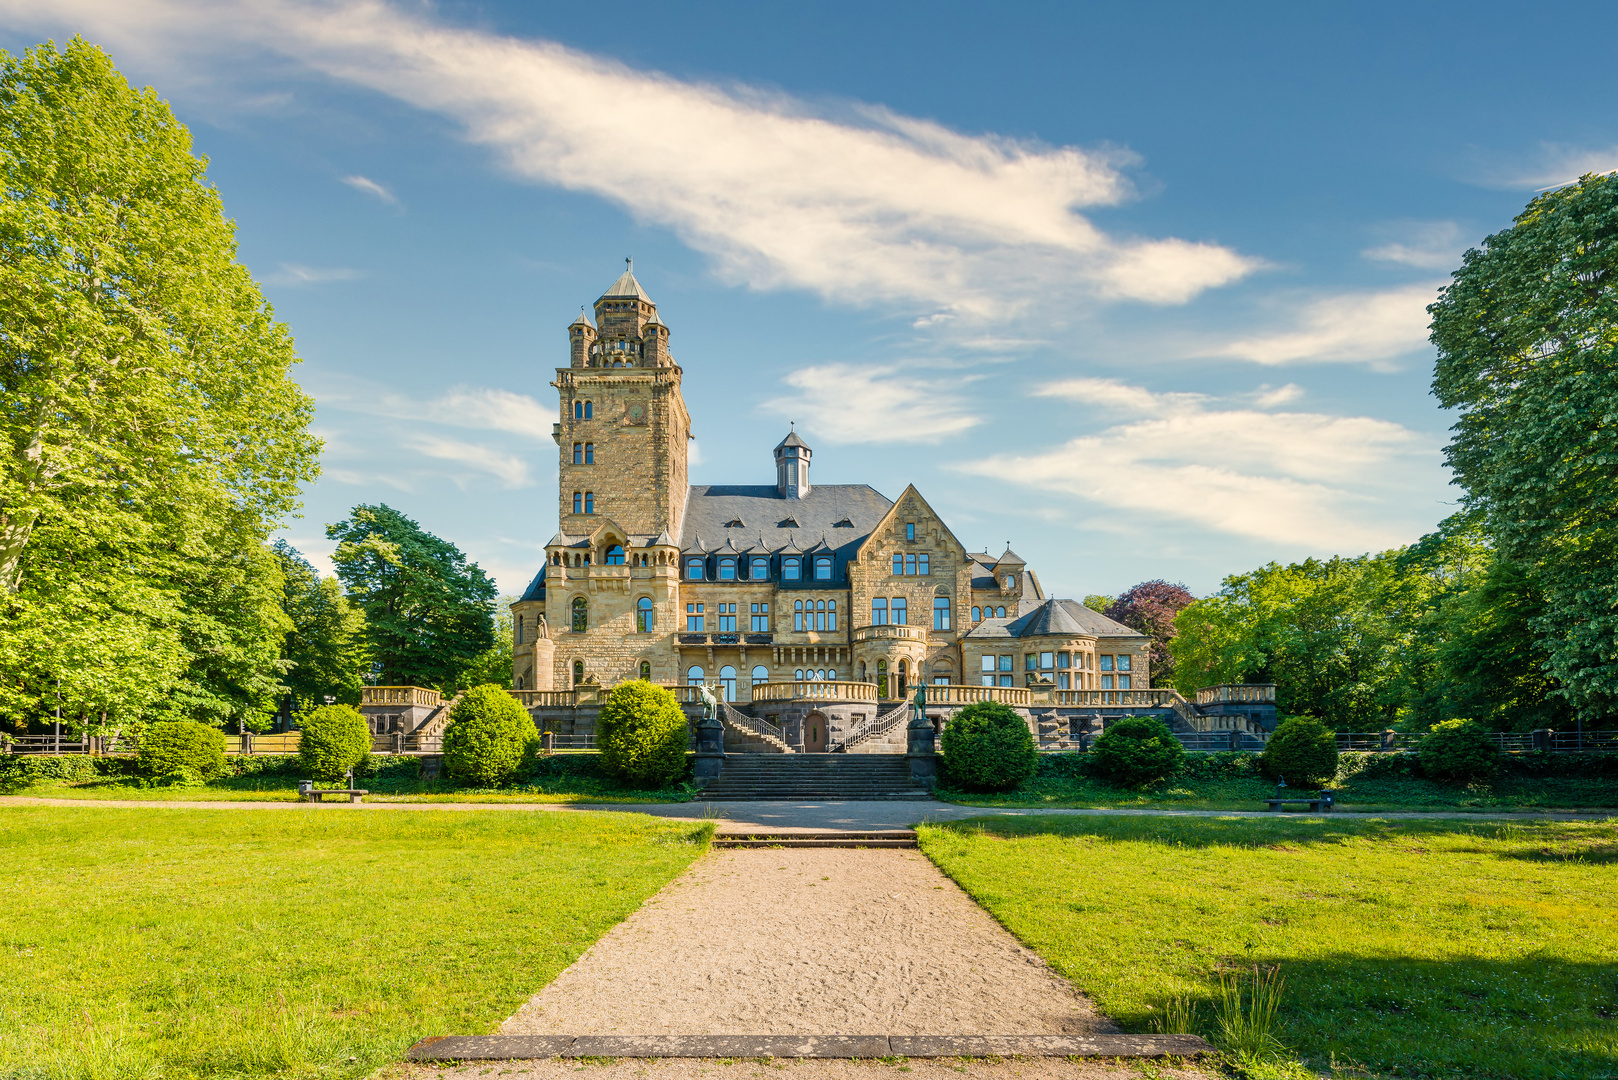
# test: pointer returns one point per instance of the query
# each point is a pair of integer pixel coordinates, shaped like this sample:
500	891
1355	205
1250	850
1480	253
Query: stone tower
624	423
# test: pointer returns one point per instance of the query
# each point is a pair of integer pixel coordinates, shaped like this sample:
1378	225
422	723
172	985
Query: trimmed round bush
988	747
642	735
181	750
333	740
1136	751
1303	751
1459	751
488	737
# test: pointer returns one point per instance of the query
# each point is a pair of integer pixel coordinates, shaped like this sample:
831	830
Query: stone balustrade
1237	693
967	695
815	690
890	633
1128	699
399	695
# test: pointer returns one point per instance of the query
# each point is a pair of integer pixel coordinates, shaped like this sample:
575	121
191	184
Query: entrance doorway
904	678
815	733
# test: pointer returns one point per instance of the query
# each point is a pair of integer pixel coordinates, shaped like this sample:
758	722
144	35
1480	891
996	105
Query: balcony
815	690
967	695
399	695
890	633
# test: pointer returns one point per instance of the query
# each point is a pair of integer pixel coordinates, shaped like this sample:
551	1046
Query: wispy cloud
859	403
1313	481
371	187
298	274
509	469
1431	245
1551	166
1371	327
474	407
861	205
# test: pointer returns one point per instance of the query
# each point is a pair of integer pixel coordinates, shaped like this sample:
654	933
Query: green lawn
1375	783
146	944
1416	949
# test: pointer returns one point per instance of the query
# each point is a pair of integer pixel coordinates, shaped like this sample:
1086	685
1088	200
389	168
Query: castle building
744	586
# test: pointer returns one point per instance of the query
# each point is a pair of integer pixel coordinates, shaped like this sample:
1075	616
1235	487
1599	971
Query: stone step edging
529	1047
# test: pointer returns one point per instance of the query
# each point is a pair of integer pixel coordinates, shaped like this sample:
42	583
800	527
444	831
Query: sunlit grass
1408	949
155	943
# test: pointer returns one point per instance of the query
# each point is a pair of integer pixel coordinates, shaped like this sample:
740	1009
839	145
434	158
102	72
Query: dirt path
791	1069
821	941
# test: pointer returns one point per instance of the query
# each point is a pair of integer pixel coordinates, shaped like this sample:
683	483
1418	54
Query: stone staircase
836	777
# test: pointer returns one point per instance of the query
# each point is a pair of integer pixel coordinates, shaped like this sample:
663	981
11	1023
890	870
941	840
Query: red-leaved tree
1150	608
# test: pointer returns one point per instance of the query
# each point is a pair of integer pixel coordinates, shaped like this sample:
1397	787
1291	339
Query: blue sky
1139	288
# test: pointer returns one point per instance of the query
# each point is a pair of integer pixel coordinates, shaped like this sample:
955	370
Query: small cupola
792	466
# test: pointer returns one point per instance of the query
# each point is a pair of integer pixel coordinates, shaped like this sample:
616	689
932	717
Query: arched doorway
904	678
882	678
727	682
815	733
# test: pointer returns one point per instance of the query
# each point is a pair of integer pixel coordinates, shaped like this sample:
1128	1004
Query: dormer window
823	569
791	569
727	569
787	523
759	570
693	569
735	523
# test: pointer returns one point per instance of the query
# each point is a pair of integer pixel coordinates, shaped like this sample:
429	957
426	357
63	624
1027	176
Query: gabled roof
910	492
1010	558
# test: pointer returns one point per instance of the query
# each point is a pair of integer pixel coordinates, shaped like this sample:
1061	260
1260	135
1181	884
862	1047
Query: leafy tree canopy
1150	608
150	434
325	650
428	611
1527	337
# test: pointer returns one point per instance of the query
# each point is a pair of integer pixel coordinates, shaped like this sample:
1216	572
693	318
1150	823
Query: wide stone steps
886	838
814	776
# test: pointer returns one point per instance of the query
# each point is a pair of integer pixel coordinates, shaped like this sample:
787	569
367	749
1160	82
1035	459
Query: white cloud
371	187
865	207
296	274
1370	327
860	403
1281	395
1322	483
476	407
1120	397
509	469
1554	165
1432	245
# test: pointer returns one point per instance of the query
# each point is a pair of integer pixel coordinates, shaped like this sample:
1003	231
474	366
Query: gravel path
798	1069
819	941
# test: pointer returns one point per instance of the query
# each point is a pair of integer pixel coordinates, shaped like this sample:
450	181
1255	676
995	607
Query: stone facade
649	577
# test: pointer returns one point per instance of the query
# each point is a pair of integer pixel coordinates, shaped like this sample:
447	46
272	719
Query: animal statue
710	707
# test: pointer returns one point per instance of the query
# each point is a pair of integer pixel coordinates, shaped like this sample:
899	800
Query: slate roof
536	588
792	439
626	287
762	508
1055	618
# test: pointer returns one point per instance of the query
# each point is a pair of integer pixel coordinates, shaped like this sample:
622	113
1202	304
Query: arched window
643	615
759	570
999	612
645	671
881	678
823	569
862	671
831	615
797	676
589	410
578	410
977	614
693	676
520	682
578	502
615	555
693	569
589	453
589	502
761	674
940	613
831	674
790	569
898	564
727	569
578	672
581	614
578	453
519	632
727	682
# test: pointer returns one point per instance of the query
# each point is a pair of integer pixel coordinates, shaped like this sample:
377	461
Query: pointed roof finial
629	264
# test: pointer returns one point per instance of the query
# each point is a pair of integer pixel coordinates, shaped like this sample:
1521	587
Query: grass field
1422	949
163	945
1375	783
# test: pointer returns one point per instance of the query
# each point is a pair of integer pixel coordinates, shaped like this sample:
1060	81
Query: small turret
581	335
792	456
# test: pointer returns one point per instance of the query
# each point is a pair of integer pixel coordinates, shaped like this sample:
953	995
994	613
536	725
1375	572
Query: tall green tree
150	434
1527	337
325	649
429	613
494	666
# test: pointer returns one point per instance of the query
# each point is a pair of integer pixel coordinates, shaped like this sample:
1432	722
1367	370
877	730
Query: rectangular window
921	564
589	502
1005	680
940	680
910	565
797	616
831	616
1047	661
1061	660
1028	661
898	563
1106	682
694	619
727	618
1005	663
941	613
988	663
879	611
1123	682
761	618
1064	680
1106	662
988	680
578	502
910	530
1123	661
589	453
899	611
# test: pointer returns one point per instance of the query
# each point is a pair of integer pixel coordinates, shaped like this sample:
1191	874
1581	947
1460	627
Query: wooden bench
1319	802
310	793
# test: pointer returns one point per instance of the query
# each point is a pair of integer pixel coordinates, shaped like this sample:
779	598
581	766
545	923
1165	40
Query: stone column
919	753
710	750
